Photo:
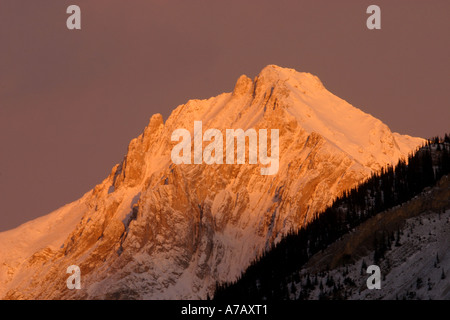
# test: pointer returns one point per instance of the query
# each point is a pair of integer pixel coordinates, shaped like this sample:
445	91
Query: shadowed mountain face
414	267
157	230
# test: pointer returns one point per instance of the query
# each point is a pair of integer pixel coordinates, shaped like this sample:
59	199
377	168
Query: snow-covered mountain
156	230
415	266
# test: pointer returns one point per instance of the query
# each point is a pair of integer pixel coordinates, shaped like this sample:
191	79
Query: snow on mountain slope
153	229
416	266
47	232
420	266
417	269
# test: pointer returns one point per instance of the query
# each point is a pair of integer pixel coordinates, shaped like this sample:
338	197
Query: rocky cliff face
153	229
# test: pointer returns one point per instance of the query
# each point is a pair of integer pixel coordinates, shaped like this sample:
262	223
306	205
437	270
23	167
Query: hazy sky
70	101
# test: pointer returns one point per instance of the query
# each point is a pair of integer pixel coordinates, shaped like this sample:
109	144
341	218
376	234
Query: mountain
397	220
416	265
156	230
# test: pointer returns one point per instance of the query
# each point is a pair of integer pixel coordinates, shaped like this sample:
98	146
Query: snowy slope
413	270
47	232
157	230
416	266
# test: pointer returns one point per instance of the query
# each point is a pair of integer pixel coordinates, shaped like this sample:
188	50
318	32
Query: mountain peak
273	74
274	69
166	230
243	85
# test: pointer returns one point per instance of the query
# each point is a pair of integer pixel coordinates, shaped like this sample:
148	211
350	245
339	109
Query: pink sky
70	101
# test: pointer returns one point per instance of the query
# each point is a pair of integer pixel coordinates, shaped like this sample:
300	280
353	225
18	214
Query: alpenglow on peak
154	229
